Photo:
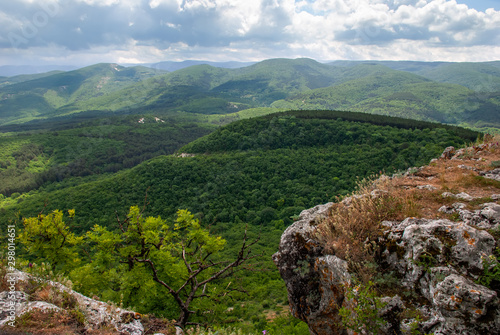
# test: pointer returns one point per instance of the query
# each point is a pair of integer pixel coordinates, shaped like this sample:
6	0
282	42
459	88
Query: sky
84	32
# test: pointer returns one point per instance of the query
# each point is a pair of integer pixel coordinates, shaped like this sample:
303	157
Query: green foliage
48	238
51	95
147	255
283	83
361	313
396	93
96	147
287	325
491	271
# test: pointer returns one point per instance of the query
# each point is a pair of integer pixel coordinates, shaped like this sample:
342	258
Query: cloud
246	30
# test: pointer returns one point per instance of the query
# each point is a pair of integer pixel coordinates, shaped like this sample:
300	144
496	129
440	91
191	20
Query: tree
48	238
182	258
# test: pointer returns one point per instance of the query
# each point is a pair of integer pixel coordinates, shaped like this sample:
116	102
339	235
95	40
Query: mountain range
455	93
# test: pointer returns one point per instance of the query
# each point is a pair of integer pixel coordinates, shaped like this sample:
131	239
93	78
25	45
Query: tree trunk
183	318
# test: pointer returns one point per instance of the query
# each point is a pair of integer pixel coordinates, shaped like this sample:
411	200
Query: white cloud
248	29
100	2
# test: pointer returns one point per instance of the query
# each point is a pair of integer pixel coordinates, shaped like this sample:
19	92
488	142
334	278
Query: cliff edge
415	253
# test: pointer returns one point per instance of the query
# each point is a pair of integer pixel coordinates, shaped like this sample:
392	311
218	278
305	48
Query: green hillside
275	79
479	77
87	144
396	93
261	171
457	93
41	97
4	81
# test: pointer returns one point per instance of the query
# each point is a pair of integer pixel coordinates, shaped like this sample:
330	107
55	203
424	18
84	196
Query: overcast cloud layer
134	31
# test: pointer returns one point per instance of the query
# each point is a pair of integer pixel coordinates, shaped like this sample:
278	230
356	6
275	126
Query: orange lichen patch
474	291
478	311
455	299
471	241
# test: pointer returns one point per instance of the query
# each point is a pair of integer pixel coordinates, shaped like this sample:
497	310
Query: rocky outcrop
437	260
446	277
97	314
314	281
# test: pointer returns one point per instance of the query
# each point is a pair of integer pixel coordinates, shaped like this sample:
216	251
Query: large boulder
440	261
315	282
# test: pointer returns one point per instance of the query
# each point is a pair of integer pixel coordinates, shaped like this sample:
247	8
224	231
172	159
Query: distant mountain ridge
174	66
16	70
456	93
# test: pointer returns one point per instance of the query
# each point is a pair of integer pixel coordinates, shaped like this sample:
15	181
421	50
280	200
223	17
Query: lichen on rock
437	262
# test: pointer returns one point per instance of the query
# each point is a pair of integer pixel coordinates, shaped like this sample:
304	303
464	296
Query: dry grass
39	322
355	223
70	320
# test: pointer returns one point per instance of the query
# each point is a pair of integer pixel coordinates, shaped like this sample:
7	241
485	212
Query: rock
464	196
448	153
466	306
435	259
434	242
427	187
458	153
97	314
394	306
495	197
315	282
491	211
39	305
6	299
493	174
446	209
461	196
448	195
486	218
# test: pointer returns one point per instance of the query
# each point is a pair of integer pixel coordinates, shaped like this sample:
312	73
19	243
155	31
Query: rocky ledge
90	315
446	271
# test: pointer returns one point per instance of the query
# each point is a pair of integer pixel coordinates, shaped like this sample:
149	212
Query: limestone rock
314	281
427	187
435	259
493	174
461	196
486	218
97	313
448	153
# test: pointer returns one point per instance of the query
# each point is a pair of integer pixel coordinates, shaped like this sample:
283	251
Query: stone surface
435	259
97	314
493	174
448	153
315	282
486	218
427	187
460	196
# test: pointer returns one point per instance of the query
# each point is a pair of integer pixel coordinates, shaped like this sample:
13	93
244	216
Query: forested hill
464	94
257	134
285	162
384	91
262	172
